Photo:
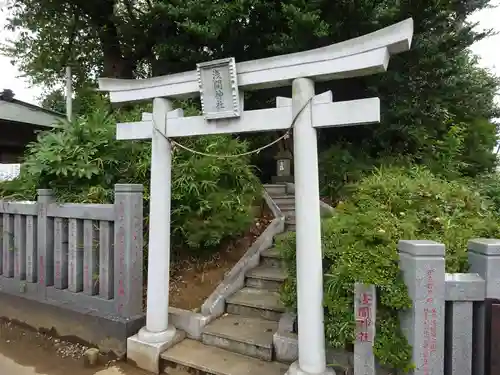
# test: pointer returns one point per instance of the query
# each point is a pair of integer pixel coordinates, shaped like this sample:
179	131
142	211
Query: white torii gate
222	106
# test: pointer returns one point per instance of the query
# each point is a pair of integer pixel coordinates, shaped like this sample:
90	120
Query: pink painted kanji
363	337
58	269
42	271
430	322
365	299
364	316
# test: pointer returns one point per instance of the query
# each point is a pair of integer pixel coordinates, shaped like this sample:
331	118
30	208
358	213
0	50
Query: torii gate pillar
311	337
157	329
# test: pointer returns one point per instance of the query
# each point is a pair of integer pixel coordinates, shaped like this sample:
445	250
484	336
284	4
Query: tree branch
130	9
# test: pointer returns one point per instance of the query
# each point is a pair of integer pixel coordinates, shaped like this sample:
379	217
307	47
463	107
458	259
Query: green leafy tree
85	100
55	101
428	91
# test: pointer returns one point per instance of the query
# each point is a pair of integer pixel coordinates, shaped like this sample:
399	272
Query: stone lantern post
283	167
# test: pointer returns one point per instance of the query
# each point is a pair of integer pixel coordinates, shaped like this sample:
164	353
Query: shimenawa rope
255	151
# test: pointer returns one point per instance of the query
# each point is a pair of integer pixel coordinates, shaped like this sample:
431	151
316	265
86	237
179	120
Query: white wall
9	171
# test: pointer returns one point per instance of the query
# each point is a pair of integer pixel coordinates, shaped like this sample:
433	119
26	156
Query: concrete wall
79	266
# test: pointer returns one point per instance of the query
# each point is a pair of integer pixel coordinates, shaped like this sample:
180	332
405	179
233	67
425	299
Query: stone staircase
285	202
240	342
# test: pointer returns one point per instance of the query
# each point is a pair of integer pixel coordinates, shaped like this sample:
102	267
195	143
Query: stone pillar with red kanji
484	258
422	265
365	307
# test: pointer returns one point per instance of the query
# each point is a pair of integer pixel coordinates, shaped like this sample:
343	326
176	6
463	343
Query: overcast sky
486	49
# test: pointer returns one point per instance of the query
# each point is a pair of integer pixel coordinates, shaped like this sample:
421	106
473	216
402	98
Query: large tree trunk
115	64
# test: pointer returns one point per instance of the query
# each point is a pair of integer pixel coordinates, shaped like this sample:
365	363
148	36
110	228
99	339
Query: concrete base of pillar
286	346
296	370
145	354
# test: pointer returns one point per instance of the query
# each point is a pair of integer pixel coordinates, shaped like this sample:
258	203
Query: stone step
284	199
291	227
275	189
258	303
288	212
244	335
265	277
193	355
271	257
286	206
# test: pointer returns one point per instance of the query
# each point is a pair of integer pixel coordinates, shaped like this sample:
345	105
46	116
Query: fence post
45	241
422	264
462	290
31	249
128	259
8	245
484	259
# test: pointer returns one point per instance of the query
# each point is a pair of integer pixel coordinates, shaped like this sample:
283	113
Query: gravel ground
25	352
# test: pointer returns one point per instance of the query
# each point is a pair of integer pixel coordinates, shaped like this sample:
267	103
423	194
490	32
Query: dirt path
24	352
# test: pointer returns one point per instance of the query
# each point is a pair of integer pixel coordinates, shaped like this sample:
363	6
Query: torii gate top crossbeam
367	54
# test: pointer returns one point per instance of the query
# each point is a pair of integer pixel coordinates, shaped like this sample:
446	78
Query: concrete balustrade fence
448	325
83	258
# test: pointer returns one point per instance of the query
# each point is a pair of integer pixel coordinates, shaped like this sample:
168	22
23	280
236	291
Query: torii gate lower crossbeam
319	112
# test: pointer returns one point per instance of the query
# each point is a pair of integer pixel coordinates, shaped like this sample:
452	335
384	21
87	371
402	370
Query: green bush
489	186
212	198
461	150
341	165
359	245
